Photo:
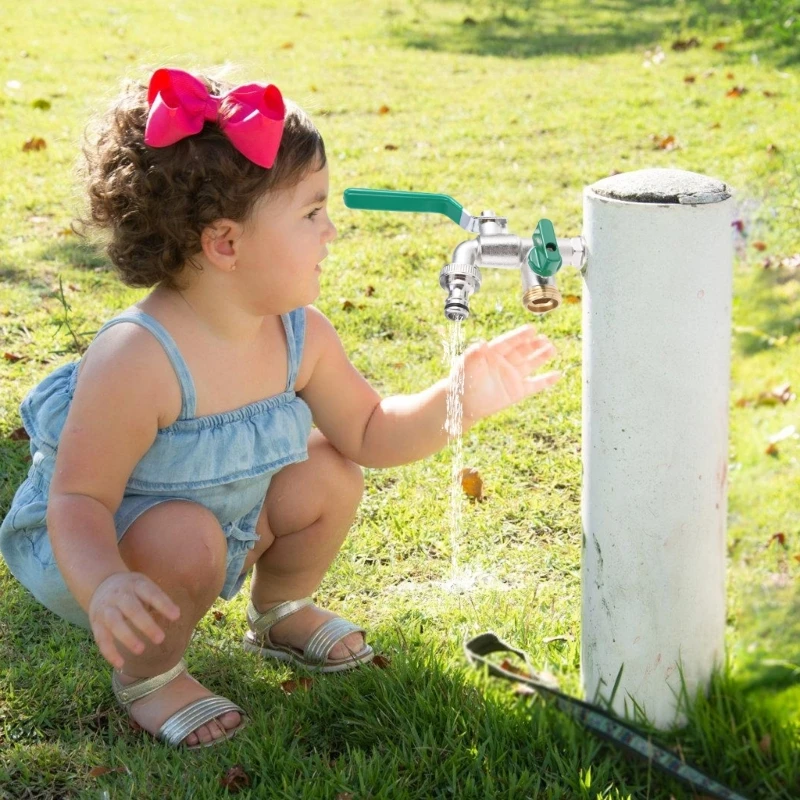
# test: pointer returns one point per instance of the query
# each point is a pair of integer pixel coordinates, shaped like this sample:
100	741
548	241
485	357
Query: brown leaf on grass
689	79
287	45
664	142
381	662
96	772
384	109
760	246
797	557
472	483
369	291
780	394
390	147
719	45
714	126
772	449
348	305
13	357
292	686
779	537
19	435
736	91
235	779
514	670
772	149
765	745
34	143
730	76
572	299
768	93
685	44
469	21
218	615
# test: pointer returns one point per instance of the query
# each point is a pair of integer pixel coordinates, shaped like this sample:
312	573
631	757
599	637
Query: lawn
510	106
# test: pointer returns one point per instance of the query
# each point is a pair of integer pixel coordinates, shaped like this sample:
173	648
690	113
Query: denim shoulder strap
188	396
294	324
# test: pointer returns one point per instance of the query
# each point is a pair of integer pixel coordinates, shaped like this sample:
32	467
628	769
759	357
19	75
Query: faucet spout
460	281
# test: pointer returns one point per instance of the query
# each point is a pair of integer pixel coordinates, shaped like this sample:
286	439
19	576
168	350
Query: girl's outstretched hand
120	609
497	374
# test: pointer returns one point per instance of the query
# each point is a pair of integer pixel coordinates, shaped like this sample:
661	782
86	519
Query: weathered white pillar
656	363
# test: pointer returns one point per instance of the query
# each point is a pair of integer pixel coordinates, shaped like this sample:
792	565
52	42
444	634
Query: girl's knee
178	543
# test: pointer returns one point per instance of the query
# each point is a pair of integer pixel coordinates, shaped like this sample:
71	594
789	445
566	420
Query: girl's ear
220	243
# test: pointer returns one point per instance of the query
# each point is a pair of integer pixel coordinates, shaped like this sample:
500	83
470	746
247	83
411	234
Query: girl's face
282	245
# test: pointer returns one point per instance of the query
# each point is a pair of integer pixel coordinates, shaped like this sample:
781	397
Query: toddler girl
178	453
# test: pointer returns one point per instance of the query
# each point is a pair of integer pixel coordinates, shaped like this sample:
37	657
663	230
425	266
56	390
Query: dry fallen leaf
760	246
571	299
34	143
301	683
381	662
12	357
96	772
287	45
779	537
369	291
780	394
718	46
384	109
348	305
772	149
235	779
390	147
689	79
471	483
685	44
19	435
736	91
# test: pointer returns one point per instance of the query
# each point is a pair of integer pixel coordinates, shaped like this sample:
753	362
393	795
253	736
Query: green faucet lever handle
426	202
544	258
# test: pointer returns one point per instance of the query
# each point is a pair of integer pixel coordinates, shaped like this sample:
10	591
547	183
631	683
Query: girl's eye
313	213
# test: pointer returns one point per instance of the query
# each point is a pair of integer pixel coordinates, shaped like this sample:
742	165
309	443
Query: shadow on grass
419	728
527	29
777	317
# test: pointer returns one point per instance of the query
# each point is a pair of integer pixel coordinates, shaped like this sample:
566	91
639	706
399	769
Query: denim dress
222	461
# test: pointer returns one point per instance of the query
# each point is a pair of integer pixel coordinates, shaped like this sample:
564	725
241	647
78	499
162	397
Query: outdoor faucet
538	259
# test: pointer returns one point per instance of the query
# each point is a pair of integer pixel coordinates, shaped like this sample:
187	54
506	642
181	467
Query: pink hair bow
251	116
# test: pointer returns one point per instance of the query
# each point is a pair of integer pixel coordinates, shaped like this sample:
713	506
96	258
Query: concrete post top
662	186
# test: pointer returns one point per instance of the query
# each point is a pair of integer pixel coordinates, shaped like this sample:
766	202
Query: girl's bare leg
309	509
181	547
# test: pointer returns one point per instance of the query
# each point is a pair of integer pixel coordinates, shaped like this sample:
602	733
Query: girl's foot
296	630
154	709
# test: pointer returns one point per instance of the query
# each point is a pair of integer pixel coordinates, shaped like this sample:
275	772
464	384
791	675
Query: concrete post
656	363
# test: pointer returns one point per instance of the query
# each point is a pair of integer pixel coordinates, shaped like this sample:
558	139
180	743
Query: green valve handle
425	202
544	258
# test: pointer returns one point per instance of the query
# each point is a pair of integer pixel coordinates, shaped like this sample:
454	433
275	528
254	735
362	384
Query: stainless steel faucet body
496	247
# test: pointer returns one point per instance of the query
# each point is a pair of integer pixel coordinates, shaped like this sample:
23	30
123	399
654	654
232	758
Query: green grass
512	106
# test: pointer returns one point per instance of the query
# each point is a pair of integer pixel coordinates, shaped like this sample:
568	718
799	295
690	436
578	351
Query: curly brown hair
154	203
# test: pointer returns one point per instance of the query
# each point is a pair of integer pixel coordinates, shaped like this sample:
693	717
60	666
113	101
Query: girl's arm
112	422
377	432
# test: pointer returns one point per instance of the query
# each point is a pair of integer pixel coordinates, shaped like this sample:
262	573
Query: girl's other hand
497	374
124	598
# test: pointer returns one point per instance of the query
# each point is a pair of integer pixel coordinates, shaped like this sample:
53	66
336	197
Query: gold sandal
314	656
185	720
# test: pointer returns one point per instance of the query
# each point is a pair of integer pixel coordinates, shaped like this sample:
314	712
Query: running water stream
453	426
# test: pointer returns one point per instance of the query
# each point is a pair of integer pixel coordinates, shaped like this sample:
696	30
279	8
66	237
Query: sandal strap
193	715
261	623
326	636
126	695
